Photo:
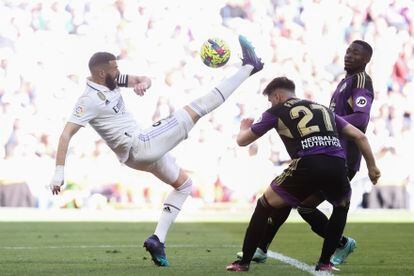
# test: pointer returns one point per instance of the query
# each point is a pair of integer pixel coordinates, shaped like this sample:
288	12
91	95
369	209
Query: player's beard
110	82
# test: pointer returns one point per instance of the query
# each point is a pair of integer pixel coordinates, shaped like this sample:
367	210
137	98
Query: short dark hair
100	58
280	82
365	45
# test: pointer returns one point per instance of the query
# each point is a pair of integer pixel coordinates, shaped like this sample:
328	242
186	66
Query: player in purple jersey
353	97
310	133
351	100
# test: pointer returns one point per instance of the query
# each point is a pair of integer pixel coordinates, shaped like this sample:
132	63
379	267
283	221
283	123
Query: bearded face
110	81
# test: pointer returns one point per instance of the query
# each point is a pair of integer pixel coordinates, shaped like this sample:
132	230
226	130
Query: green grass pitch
100	248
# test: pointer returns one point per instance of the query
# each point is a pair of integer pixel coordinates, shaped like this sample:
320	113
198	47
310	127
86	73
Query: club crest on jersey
361	101
101	96
342	87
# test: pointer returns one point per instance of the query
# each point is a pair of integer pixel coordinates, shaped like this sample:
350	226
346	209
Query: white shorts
150	146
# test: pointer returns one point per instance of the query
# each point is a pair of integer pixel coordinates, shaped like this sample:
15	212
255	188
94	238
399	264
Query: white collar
97	87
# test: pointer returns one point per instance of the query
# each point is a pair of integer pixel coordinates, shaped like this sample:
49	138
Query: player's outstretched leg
207	103
163	136
157	250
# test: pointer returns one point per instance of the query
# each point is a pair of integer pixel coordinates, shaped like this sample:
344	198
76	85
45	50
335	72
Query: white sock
221	92
172	207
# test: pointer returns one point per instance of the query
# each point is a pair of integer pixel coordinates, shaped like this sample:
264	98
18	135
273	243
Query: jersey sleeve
362	93
362	100
122	80
340	123
84	111
266	122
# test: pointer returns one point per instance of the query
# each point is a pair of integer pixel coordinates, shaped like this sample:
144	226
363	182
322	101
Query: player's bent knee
274	199
193	114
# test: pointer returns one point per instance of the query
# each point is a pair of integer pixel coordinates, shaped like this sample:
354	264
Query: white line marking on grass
295	263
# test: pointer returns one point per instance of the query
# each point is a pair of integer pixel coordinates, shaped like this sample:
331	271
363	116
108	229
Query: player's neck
286	97
353	72
97	80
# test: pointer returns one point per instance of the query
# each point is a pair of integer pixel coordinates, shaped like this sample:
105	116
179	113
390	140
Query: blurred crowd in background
45	47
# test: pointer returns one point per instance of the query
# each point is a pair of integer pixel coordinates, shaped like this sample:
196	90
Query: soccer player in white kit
101	105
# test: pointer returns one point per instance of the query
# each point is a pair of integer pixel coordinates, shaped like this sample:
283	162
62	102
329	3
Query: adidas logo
167	209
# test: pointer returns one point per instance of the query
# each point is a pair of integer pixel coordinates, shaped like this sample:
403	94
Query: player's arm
357	119
361	99
142	80
251	131
139	83
352	133
85	110
64	140
246	136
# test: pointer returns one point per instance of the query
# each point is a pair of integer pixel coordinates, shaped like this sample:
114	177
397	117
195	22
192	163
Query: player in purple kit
351	100
310	133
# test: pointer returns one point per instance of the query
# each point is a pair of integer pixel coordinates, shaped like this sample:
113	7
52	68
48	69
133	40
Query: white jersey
105	111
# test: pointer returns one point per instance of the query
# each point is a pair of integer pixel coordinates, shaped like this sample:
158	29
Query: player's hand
56	185
140	88
246	123
374	174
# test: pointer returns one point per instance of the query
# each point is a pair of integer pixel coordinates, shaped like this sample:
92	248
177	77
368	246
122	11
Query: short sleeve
361	100
84	111
340	123
266	122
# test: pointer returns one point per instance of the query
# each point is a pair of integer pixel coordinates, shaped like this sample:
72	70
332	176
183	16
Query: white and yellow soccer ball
215	52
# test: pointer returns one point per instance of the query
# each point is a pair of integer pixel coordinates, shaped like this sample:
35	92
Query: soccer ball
215	52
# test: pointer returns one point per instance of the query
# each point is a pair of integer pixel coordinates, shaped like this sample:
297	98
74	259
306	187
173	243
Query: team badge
101	96
361	101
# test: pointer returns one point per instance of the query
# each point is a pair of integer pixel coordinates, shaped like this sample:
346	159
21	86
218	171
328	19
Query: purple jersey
353	97
306	128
